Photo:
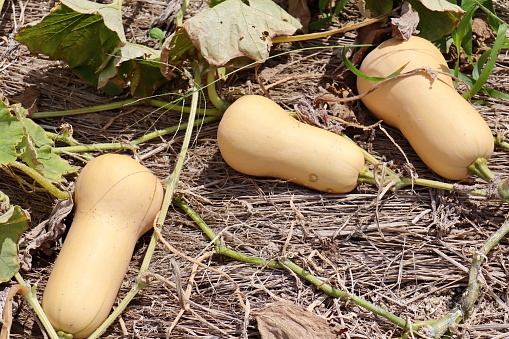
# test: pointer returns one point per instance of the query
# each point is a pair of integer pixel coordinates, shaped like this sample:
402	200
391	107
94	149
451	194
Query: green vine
435	328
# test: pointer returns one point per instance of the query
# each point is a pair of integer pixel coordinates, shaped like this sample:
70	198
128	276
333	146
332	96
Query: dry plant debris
285	320
409	251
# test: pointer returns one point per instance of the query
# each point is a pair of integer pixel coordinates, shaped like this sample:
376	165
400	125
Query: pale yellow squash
443	128
257	137
116	201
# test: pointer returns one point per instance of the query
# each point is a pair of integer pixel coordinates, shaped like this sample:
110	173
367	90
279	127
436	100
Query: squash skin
116	201
444	129
257	137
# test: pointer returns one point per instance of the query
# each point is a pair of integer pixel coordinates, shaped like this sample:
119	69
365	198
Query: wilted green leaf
111	13
12	224
176	49
233	29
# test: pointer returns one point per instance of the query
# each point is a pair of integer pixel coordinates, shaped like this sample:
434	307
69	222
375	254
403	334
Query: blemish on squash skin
313	177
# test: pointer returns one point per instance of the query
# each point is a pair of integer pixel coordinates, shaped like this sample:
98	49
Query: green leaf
12	224
90	37
111	13
11	132
136	67
156	33
178	49
35	149
437	18
23	139
233	29
462	35
54	167
83	40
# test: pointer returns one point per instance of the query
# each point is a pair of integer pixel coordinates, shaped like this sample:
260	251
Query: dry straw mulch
408	251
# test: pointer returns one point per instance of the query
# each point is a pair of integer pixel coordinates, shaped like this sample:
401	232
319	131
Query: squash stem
503	190
475	283
346	296
480	168
398	182
173	179
217	101
437	328
31	298
41	180
320	284
500	142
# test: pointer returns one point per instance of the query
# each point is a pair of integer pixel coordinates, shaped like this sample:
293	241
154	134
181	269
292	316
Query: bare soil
408	251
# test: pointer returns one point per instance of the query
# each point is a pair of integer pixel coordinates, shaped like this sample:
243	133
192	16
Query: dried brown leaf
286	320
299	9
41	236
406	25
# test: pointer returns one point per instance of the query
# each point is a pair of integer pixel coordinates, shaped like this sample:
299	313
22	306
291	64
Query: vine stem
480	168
41	180
436	328
217	101
474	282
301	272
171	106
318	35
179	20
171	185
31	298
133	145
399	182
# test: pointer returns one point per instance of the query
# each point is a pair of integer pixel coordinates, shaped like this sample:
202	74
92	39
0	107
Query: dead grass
408	251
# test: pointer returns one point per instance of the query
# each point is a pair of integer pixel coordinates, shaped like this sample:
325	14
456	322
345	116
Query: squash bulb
443	128
257	137
116	201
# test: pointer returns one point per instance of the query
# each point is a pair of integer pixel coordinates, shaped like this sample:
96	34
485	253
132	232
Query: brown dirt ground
408	250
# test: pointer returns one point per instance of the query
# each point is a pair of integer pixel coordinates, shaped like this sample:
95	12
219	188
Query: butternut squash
443	128
257	137
116	201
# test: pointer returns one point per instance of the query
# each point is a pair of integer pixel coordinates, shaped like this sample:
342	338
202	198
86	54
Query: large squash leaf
90	38
233	29
81	38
